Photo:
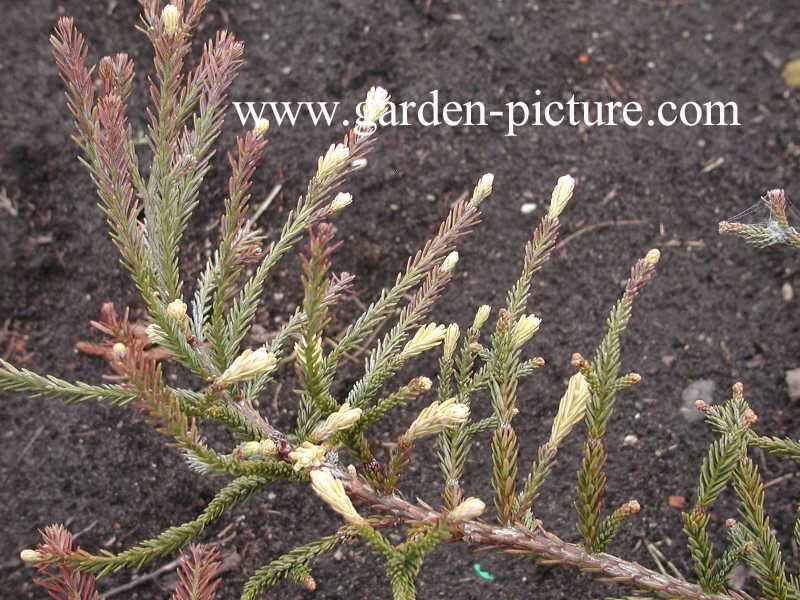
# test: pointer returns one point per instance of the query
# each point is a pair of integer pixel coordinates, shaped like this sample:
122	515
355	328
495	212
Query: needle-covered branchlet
604	380
775	229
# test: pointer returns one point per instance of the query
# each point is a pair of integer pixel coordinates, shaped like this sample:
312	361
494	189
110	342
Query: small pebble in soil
787	292
793	383
702	389
630	440
527	208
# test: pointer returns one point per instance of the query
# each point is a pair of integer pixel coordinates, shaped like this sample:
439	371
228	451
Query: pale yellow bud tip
246	366
341	200
468	509
170	17
524	329
449	262
450	341
561	195
265	447
427	337
483	188
307	456
261	127
342	419
119	350
653	256
437	417
481	316
376	103
30	556
331	490
333	160
177	310
424	383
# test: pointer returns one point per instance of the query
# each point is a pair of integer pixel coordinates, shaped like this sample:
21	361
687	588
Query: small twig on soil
137	581
267	201
24	451
600	225
656	556
275	397
86	529
778	480
653	549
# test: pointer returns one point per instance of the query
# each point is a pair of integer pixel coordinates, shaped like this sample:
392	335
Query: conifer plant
329	449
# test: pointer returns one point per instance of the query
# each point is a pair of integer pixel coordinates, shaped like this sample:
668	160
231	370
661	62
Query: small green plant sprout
205	331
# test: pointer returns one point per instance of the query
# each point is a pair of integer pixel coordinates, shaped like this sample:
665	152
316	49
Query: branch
542	545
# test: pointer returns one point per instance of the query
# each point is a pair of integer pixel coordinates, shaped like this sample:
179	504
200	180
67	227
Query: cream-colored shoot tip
449	262
653	256
450	341
342	419
561	195
437	417
524	329
119	350
427	337
30	556
422	383
341	200
246	366
170	17
307	456
177	310
261	127
468	509
481	315
333	159
376	103
331	490
486	183
571	408
483	188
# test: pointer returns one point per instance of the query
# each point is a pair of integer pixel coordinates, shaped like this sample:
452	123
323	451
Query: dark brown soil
715	310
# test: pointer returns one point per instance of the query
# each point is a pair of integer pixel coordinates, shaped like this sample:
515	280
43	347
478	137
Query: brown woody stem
541	544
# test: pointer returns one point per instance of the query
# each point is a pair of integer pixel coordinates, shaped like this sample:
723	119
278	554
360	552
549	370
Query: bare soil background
716	309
